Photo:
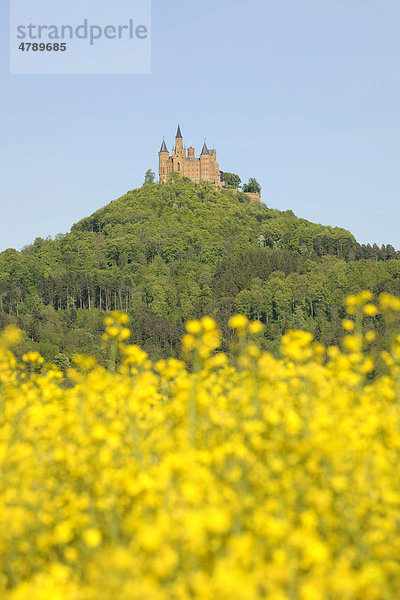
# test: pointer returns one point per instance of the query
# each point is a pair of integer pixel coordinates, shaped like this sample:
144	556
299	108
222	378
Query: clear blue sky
303	95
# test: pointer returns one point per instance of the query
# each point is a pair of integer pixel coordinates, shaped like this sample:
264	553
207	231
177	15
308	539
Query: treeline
171	252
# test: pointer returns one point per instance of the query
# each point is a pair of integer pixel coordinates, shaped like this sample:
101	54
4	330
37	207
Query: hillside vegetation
172	252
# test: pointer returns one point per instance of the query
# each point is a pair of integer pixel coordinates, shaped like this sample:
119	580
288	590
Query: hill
166	253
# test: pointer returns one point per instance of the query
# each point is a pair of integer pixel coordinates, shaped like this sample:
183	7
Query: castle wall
254	197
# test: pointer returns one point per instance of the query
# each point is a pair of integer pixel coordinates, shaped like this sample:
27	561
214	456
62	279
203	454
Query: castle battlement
184	162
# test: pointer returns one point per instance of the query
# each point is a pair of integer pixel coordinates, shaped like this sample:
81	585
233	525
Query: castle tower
163	160
205	163
179	141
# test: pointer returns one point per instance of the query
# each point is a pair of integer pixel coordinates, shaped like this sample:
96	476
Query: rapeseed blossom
237	476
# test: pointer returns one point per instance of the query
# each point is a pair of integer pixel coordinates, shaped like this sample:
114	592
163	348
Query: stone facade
254	197
184	162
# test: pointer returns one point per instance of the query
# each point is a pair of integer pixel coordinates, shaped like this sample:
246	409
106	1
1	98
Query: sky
302	95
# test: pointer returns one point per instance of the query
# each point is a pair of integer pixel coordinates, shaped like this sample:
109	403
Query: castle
184	162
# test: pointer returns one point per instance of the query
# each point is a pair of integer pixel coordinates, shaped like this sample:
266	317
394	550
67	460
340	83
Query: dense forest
166	253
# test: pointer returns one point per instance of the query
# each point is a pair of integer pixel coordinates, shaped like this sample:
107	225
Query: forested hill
171	252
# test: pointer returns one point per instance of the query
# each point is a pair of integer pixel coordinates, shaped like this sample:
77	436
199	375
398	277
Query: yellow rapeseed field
234	476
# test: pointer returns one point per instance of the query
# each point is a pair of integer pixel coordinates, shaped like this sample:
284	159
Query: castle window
179	166
163	170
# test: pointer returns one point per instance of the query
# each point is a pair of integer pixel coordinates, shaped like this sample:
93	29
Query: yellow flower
208	324
99	432
389	302
112	331
256	327
370	310
352	343
92	537
120	317
348	325
188	343
150	539
370	336
10	336
218	521
237	476
63	532
238	322
193	327
33	358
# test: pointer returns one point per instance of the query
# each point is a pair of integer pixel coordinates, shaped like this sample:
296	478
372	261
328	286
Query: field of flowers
234	476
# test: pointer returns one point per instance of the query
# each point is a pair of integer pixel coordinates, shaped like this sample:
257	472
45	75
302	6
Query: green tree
252	186
150	176
231	180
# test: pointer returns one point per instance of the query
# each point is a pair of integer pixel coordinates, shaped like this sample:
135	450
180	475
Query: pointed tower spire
205	149
178	132
163	146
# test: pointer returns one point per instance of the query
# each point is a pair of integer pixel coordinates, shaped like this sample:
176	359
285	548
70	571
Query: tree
231	180
252	186
150	176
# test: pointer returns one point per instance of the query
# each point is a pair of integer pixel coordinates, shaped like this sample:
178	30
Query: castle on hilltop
204	168
184	162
